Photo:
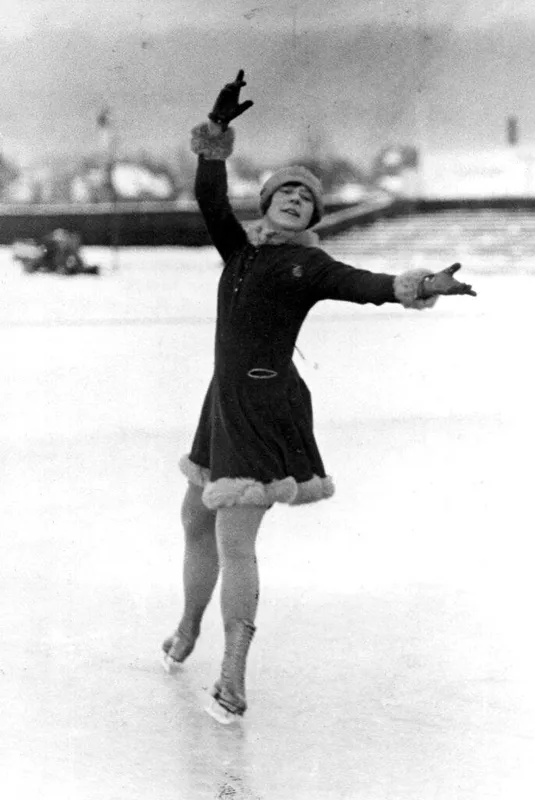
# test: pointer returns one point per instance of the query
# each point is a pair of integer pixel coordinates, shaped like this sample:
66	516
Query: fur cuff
228	492
406	289
214	147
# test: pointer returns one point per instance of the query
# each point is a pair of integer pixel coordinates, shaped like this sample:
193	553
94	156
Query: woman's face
291	208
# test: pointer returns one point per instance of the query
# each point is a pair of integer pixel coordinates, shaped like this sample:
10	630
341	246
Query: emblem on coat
297	270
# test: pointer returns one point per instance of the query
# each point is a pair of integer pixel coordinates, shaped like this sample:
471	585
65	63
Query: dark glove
444	283
227	106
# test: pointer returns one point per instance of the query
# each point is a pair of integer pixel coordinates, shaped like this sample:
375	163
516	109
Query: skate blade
170	665
220	714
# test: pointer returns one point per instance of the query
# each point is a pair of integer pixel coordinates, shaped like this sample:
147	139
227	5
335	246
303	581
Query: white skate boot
228	701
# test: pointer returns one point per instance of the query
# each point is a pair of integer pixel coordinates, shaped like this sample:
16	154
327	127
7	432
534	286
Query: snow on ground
393	658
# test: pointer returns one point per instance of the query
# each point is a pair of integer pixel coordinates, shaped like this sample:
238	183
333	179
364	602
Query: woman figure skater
254	445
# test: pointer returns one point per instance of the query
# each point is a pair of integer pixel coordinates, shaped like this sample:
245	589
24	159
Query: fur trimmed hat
293	174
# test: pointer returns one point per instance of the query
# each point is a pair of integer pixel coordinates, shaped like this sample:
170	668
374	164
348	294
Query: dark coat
254	443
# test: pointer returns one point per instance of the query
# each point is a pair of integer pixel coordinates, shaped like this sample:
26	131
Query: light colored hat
293	174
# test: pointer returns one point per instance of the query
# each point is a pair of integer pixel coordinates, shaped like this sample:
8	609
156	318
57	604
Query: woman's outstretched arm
419	288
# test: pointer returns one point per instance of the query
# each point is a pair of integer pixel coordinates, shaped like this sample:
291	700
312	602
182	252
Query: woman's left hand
227	106
444	283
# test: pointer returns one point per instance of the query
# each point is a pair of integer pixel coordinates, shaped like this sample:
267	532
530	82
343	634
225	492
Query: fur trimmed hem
228	492
195	474
406	288
214	147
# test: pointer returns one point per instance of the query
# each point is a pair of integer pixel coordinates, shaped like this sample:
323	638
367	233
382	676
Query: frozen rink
394	653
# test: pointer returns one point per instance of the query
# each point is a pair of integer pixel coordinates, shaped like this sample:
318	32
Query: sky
22	18
353	72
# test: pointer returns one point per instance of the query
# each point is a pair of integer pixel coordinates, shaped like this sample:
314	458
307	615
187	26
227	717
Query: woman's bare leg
236	533
200	573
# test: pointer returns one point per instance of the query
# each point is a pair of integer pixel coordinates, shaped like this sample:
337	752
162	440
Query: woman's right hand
443	282
227	106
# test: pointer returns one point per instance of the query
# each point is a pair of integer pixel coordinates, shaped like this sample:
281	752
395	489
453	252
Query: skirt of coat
255	445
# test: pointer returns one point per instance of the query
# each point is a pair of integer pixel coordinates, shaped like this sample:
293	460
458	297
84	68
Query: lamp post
108	146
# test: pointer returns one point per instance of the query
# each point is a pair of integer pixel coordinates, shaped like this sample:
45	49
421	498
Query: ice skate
228	701
220	714
177	648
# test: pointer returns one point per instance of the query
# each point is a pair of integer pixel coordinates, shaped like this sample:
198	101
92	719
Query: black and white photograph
267	419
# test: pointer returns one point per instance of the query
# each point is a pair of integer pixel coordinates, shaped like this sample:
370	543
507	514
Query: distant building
132	181
505	172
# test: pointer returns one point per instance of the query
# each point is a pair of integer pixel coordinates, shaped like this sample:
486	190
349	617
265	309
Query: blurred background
427	97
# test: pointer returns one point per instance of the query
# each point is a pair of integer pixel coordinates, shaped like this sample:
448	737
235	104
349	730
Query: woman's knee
237	530
197	520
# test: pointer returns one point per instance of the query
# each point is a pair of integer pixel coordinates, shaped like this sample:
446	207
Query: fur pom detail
406	289
214	147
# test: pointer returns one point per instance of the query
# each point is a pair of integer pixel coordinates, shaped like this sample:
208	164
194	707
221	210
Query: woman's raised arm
212	142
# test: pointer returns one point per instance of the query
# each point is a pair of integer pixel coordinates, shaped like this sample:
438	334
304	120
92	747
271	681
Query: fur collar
258	234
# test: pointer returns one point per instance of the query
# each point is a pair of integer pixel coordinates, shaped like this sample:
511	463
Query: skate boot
178	647
228	695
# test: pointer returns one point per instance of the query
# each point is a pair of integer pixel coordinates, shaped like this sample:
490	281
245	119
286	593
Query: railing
147	223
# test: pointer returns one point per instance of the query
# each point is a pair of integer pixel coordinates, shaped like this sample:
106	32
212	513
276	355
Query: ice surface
394	655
